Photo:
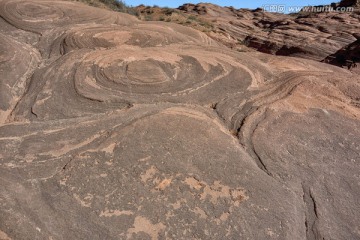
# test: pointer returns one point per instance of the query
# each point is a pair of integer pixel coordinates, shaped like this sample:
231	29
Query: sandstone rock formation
114	128
307	35
348	56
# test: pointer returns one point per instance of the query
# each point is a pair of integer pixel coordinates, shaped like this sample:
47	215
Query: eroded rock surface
113	128
310	35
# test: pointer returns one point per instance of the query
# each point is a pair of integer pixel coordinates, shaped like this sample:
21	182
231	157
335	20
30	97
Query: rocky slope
348	56
307	35
114	128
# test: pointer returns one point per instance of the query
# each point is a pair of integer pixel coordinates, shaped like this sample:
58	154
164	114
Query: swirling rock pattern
117	129
307	35
39	16
26	59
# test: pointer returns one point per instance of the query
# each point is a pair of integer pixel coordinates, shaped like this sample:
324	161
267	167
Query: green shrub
192	18
168	11
148	18
117	5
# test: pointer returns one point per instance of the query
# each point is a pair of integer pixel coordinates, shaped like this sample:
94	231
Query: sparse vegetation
148	18
115	5
168	11
192	18
148	13
206	24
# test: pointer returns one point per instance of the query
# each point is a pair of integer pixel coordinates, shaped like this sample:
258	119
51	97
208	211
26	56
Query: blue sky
235	3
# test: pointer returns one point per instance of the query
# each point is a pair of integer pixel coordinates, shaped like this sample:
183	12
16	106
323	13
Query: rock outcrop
348	56
307	35
114	128
350	3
